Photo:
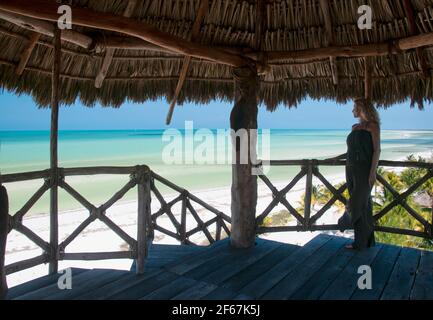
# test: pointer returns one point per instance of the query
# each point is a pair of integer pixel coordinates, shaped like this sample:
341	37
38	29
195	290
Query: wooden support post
180	82
243	120
25	56
202	11
308	195
4	229
55	88
143	219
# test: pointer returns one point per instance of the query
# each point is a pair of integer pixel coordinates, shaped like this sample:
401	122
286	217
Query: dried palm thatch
288	25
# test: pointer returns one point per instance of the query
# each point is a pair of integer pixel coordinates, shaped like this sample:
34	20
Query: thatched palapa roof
307	48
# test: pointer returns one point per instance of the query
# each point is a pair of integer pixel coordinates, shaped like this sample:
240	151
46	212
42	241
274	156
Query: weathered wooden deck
322	269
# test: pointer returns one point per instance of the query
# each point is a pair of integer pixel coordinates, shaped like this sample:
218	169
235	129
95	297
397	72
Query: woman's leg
371	222
361	208
349	178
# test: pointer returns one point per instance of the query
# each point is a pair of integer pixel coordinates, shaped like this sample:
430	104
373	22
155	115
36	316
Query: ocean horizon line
197	128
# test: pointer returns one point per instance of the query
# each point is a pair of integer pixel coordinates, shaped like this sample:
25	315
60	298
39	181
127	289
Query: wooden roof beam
408	7
222	80
80	39
97	44
202	11
126	43
367	50
27	52
109	53
47	10
46	28
324	5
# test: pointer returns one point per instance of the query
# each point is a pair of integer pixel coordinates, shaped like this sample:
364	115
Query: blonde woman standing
362	158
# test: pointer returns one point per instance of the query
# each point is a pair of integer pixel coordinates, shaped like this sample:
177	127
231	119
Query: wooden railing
308	221
182	234
147	222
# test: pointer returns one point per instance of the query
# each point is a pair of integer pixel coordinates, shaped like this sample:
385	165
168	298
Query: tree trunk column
243	122
54	162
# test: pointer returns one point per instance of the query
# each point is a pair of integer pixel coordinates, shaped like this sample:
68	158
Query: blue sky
21	113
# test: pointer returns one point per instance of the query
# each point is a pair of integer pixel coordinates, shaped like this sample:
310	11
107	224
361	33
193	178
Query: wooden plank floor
322	269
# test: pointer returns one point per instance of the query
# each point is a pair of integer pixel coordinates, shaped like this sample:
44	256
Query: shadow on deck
322	269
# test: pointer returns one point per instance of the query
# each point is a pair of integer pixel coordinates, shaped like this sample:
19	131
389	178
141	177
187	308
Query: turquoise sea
29	150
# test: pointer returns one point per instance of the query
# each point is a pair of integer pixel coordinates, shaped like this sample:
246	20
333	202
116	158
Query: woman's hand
340	157
372	178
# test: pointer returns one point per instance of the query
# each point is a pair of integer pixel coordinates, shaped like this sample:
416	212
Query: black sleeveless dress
359	159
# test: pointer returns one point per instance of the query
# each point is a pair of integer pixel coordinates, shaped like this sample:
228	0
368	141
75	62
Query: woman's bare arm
340	157
375	132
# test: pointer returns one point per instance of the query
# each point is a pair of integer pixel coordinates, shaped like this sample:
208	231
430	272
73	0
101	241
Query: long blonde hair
368	109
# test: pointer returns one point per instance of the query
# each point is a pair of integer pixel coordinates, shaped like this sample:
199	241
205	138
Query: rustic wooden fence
147	222
187	199
307	221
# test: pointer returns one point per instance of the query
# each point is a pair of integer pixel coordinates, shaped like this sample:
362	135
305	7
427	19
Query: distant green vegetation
280	218
398	217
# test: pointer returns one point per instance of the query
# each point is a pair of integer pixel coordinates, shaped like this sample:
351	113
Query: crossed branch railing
147	222
187	199
308	222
